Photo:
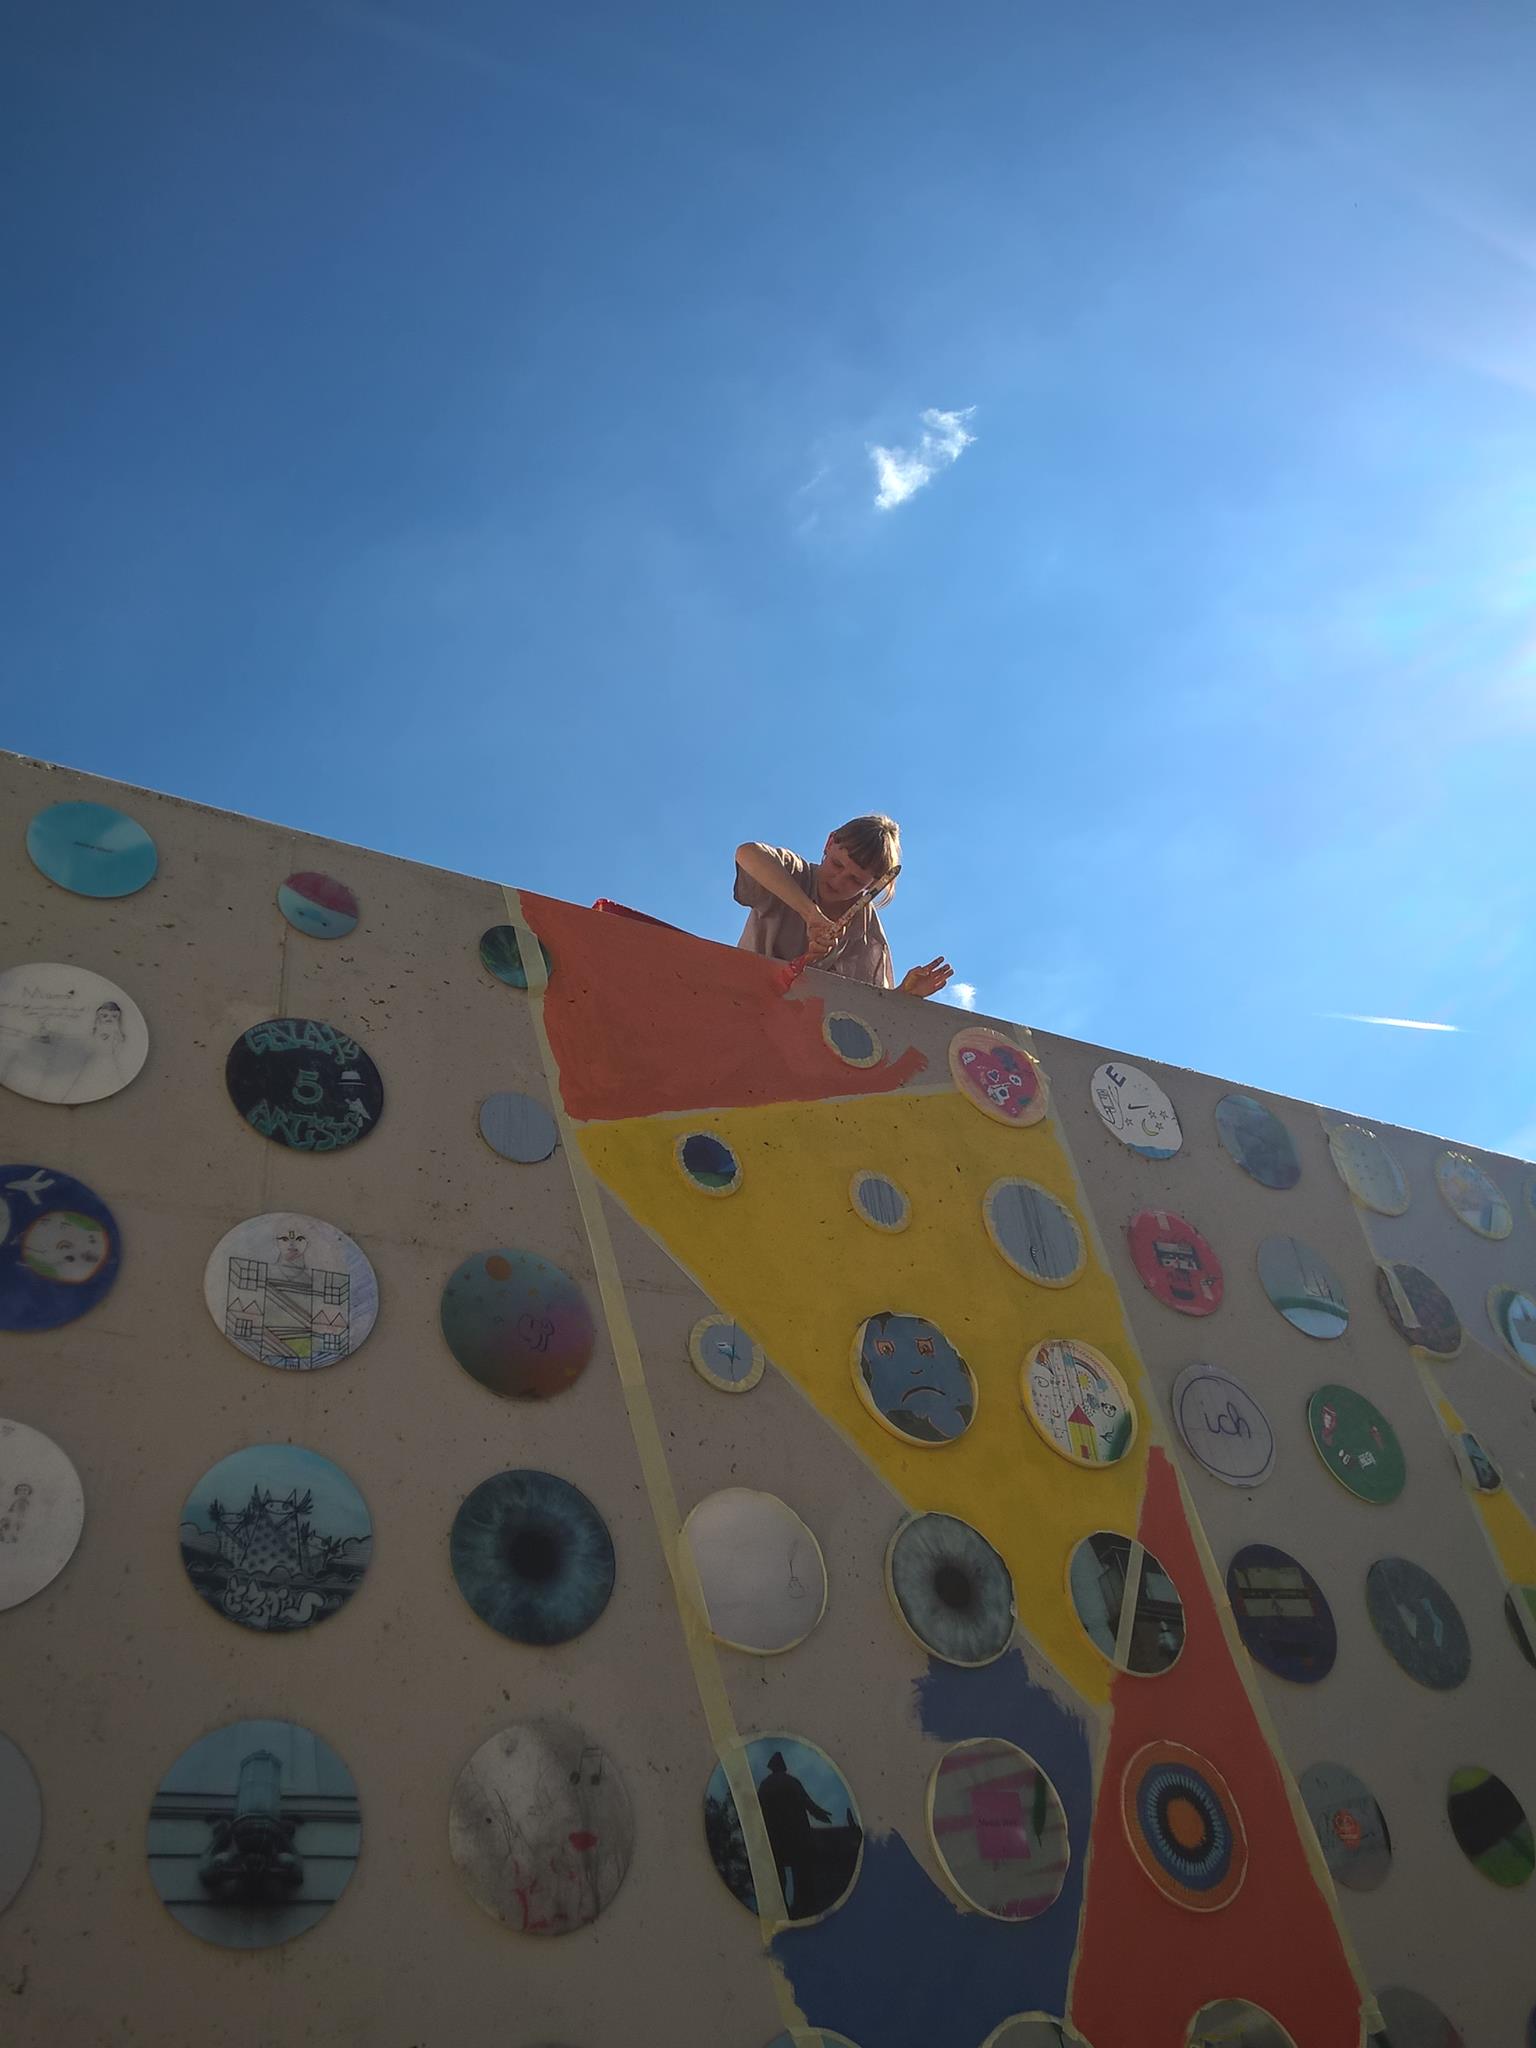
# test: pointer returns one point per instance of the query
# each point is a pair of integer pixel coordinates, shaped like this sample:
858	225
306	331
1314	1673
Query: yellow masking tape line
728	1744
1130	1599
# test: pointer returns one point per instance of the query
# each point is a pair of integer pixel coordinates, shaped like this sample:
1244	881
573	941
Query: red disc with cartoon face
1175	1262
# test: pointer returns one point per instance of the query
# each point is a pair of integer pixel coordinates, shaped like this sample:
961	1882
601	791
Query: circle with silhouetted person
1257	1141
809	1827
912	1379
254	1834
517	1323
951	1589
532	1556
1490	1827
59	1248
1000	1078
1303	1286
91	849
1174	1262
998	1829
1351	1828
1282	1616
317	905
276	1538
304	1084
1418	1309
709	1163
1127	1603
1418	1622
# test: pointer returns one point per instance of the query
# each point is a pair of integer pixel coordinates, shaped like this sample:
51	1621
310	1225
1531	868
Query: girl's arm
759	865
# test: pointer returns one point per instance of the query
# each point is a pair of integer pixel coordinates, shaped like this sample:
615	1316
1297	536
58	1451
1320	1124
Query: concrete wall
111	1672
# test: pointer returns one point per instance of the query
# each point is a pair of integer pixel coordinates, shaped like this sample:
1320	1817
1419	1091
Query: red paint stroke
643	1020
1145	1966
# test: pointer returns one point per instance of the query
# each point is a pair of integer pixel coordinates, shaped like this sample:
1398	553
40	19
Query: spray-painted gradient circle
518	1323
91	849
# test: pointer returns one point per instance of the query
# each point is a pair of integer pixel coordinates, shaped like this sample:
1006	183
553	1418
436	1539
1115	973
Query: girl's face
841	876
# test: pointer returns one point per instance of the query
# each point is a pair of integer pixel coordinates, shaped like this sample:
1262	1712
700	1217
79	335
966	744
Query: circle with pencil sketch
1357	1444
291	1291
276	1538
1183	1826
532	1556
879	1201
304	1084
1223	1426
855	1042
1078	1402
1418	1622
1255	1139
518	1128
1282	1614
501	954
517	1323
541	1827
1174	1262
1513	1316
1412	2021
1235	2023
92	849
1351	1828
67	1035
1368	1169
1303	1286
998	1829
912	1379
59	1248
1037	1234
1000	1078
42	1512
1128	1605
1520	1613
317	905
1034	2030
807	1819
1469	1194
1419	1309
1138	1112
1490	1827
950	1589
724	1355
21	1820
759	1569
708	1162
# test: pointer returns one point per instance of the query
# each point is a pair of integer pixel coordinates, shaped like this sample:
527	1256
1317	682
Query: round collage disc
532	1556
1412	2021
912	1379
1035	1233
290	1291
67	1035
1350	1827
1183	1826
811	1821
91	849
1256	1140
1303	1286
1127	1603
1034	2030
1002	1080
998	1828
879	1201
1235	2023
21	1820
317	905
951	1589
708	1163
725	1355
1078	1402
1357	1444
1368	1169
517	1127
1282	1616
304	1084
541	1827
851	1039
759	1569
276	1538
59	1248
42	1512
1513	1316
1469	1193
1174	1262
254	1834
1490	1827
517	1323
1138	1112
1223	1426
501	954
1418	1623
1418	1309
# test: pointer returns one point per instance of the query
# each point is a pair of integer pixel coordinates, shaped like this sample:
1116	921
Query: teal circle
92	849
501	955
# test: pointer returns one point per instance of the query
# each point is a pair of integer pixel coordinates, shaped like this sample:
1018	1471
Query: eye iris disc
954	1588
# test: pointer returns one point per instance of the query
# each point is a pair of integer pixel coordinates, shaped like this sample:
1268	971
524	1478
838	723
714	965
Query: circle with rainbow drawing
1078	1402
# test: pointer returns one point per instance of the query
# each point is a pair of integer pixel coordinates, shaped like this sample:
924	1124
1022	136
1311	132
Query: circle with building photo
1236	2023
810	1826
275	1537
254	1834
879	1201
1037	1234
517	1323
541	1827
317	905
1419	1309
1078	1402
21	1820
59	1248
517	1127
1255	1139
1127	1603
1303	1286
1513	1316
1183	1826
1368	1169
1357	1444
1174	1262
998	1829
291	1291
42	1512
1418	1622
67	1035
1490	1827
759	1570
1136	1110
856	1043
1470	1194
1351	1828
501	954
725	1356
912	1379
951	1589
1412	2021
304	1084
1223	1425
1282	1615
92	849
532	1556
1000	1078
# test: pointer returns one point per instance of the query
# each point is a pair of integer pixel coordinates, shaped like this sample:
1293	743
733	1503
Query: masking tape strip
728	1744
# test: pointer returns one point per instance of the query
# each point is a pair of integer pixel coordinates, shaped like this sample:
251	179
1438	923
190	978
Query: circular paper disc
1078	1402
1223	1425
1183	1826
67	1035
951	1589
532	1556
291	1291
91	849
304	1084
912	1379
1133	1106
808	1813
58	1248
759	1569
998	1829
42	1512
276	1538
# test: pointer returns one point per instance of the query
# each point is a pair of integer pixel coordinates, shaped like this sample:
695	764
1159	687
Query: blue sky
455	428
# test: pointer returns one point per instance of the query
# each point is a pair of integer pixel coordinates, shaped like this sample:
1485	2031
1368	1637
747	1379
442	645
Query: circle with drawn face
517	1323
1350	1827
1418	1309
1469	1193
304	1084
999	1077
1174	1262
317	905
1257	1141
1183	1826
291	1291
1513	1316
1138	1112
1223	1425
42	1512
912	1379
58	1248
1078	1402
67	1035
1368	1169
1418	1622
91	849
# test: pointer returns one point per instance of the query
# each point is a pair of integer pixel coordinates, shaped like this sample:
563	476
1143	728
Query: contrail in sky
1399	1023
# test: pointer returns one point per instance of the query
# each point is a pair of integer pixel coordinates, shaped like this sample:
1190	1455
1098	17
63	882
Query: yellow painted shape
1510	1531
785	1255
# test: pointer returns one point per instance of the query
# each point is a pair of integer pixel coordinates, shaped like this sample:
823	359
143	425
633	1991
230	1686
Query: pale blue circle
91	849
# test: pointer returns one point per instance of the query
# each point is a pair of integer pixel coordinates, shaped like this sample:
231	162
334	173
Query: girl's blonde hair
874	842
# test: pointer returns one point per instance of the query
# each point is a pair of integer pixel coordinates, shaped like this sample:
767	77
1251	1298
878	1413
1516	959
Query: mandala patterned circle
1183	1826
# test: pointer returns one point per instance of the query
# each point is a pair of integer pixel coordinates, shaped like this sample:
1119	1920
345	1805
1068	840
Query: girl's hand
925	981
821	934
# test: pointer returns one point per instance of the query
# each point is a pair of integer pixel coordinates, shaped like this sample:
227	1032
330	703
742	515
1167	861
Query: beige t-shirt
861	954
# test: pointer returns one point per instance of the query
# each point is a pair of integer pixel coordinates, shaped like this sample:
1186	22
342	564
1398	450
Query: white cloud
1398	1023
900	472
960	993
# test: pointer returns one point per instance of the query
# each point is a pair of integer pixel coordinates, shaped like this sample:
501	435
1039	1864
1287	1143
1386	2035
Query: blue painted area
899	1964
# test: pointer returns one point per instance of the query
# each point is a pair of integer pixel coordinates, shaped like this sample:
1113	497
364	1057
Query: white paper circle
42	1511
291	1291
21	1820
1133	1106
66	1034
1224	1427
759	1568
